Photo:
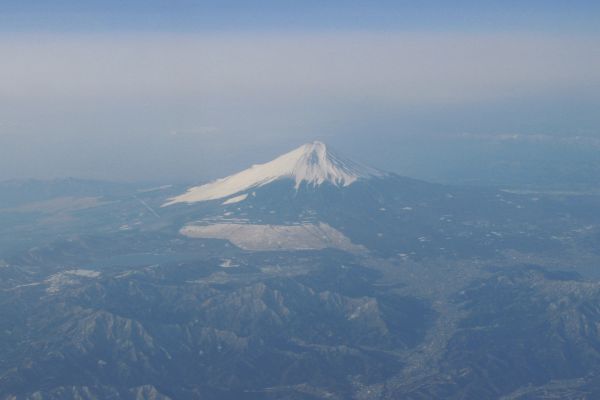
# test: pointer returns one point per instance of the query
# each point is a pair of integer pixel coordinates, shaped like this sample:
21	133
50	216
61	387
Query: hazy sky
187	90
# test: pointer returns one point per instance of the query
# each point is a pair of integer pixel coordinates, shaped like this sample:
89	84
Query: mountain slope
312	199
310	164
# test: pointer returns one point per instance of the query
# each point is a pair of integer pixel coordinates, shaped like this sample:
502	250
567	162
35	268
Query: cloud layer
126	95
394	67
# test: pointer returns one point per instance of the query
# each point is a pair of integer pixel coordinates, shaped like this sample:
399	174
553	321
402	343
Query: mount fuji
275	205
311	164
313	199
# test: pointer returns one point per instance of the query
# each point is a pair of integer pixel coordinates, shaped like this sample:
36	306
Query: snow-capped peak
312	164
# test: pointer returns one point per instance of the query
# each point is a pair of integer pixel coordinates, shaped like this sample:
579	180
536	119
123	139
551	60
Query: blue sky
193	16
184	90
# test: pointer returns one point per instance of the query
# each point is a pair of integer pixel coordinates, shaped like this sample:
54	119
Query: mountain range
307	277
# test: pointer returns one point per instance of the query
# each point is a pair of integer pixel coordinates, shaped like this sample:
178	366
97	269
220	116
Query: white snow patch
27	285
227	263
67	278
236	199
87	273
311	163
125	274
